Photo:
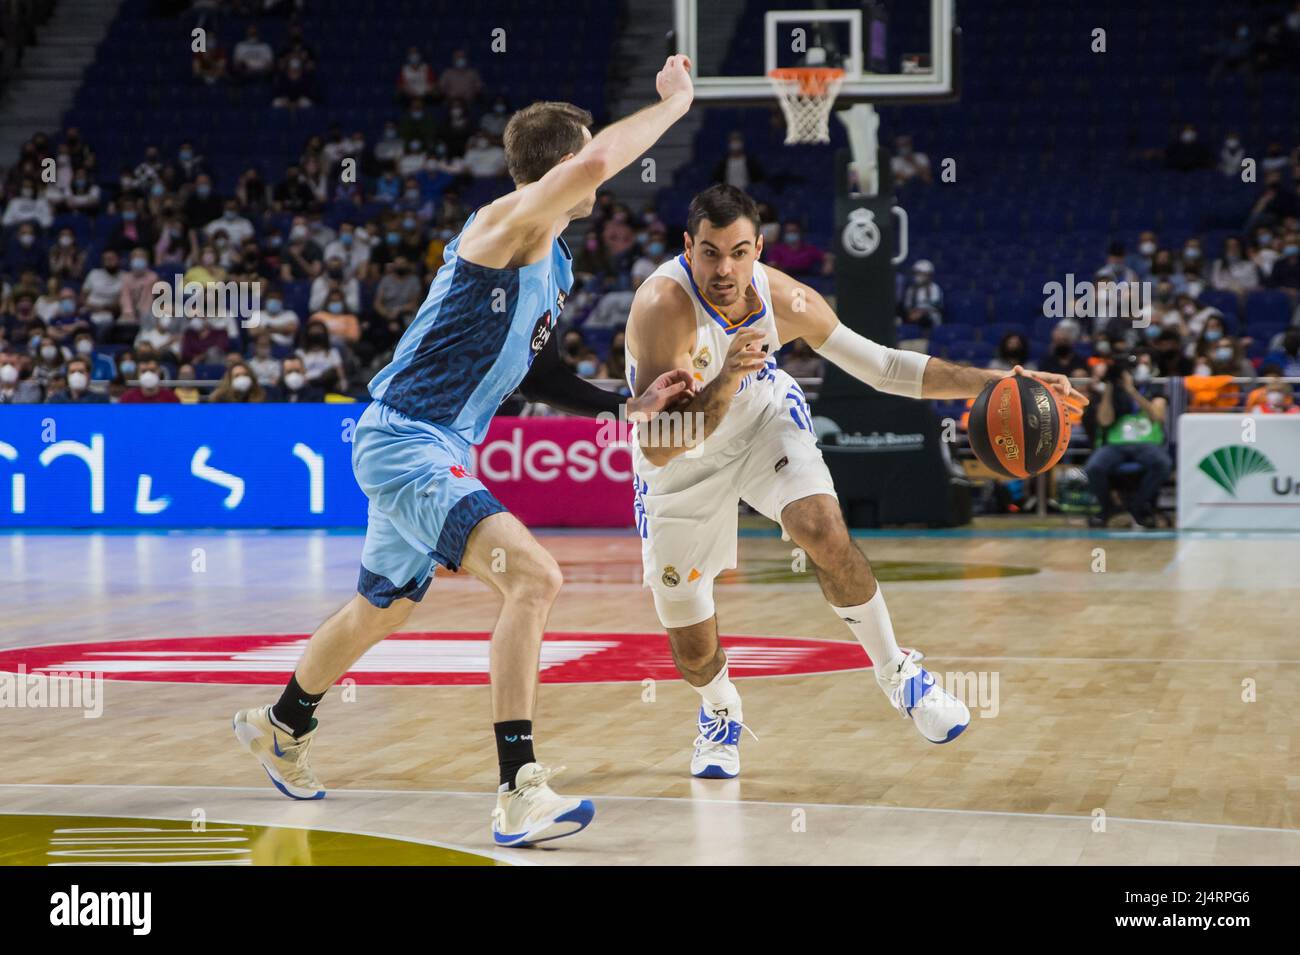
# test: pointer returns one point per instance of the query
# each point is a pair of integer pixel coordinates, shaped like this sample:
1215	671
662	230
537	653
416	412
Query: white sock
873	629
721	694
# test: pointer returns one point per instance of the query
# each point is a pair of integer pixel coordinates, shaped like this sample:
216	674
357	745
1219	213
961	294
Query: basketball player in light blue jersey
482	332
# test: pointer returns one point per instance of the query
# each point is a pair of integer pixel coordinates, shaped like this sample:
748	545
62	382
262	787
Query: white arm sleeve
891	370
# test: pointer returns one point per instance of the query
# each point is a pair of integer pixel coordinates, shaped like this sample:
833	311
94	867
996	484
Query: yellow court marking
103	840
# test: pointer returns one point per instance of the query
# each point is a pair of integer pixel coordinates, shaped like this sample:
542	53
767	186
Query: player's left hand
667	391
1058	383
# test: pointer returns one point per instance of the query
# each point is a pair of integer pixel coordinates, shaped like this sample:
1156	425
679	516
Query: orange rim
812	80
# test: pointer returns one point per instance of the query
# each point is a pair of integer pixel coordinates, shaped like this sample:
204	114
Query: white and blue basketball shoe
533	812
937	715
717	747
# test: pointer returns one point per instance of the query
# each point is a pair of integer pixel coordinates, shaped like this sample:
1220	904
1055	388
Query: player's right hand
675	78
745	354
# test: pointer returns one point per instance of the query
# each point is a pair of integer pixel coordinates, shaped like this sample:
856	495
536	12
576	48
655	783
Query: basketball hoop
806	94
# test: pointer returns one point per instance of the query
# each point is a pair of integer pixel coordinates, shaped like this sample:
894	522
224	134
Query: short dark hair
539	136
721	205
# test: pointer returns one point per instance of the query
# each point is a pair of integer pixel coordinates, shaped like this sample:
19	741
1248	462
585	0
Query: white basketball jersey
713	332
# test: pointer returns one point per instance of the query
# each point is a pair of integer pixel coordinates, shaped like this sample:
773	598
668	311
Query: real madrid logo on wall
861	235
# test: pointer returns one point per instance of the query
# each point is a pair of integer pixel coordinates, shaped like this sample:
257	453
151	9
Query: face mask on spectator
1153	330
346	238
1275	399
792	238
655	248
298	232
85	346
149	380
241	383
408	223
128	215
1102	347
8	374
1147	248
139	264
1202	369
586	368
67	306
77	381
26	238
203	191
196	324
393	238
65	240
1223	353
1192	252
274	306
335	307
49	352
390	133
163	322
1291	250
1142	374
186	155
1213	334
293	380
127	367
1187	136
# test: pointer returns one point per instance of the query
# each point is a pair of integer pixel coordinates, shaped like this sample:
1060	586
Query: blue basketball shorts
423	502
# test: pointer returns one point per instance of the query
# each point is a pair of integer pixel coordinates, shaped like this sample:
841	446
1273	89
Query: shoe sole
715	772
582	814
247	734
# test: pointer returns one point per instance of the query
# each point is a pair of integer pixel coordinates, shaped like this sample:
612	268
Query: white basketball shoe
937	715
532	812
717	747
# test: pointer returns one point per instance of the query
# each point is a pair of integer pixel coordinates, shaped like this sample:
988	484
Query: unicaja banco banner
1239	472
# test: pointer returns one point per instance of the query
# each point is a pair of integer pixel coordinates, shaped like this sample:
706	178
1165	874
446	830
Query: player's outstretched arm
616	146
801	312
660	333
552	381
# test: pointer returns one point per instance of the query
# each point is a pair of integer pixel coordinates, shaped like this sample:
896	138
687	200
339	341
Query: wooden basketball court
1132	703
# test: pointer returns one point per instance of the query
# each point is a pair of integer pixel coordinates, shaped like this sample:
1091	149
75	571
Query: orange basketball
1017	427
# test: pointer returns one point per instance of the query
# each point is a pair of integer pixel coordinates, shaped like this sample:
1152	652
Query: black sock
514	747
295	708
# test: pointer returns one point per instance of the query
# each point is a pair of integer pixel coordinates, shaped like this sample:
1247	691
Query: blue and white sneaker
717	747
937	715
532	812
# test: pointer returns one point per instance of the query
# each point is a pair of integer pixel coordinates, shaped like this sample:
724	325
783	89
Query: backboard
890	50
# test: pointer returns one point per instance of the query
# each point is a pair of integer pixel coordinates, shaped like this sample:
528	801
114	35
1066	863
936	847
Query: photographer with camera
1128	437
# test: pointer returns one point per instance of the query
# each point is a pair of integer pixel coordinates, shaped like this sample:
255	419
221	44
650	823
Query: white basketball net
806	98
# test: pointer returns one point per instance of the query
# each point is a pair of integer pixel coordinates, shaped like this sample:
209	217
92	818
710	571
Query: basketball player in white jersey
717	312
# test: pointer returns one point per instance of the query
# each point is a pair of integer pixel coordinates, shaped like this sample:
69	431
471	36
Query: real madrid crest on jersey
861	235
670	577
702	358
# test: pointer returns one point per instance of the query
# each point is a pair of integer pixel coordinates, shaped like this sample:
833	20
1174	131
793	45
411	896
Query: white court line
681	799
482	854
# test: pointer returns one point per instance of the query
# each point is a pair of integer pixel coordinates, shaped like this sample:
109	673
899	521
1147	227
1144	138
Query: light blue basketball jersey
474	339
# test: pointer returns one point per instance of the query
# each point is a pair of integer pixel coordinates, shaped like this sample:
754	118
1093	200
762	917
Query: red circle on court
423	659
